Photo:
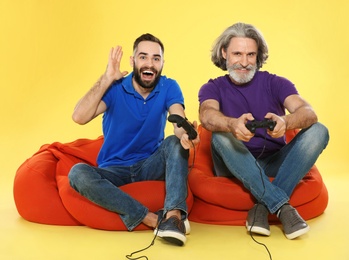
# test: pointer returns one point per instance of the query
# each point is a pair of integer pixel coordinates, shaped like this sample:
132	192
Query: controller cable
260	172
130	256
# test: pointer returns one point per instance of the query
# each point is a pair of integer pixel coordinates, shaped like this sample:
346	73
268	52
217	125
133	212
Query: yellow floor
327	239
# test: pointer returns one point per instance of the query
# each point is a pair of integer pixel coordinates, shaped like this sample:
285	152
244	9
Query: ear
131	61
224	53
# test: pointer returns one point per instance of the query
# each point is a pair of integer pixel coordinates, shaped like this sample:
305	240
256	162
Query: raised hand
113	69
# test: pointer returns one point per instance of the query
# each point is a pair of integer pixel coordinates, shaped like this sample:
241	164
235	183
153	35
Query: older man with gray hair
246	112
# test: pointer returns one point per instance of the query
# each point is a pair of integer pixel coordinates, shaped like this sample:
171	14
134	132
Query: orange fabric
42	192
36	193
220	200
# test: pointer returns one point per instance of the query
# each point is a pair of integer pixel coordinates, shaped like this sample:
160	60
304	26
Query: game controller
266	123
182	122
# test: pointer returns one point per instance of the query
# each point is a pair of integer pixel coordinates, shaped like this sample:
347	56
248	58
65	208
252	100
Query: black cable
260	172
161	219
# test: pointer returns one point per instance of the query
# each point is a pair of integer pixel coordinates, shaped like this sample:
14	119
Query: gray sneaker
257	220
172	230
293	224
161	218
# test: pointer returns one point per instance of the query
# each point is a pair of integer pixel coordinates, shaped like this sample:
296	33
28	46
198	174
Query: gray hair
239	30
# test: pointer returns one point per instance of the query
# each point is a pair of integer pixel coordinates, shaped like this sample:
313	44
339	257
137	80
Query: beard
242	79
146	84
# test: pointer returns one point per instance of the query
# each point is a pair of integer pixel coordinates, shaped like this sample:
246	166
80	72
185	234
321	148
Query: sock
279	210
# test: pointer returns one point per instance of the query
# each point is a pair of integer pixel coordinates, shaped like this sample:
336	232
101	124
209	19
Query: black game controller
182	122
266	123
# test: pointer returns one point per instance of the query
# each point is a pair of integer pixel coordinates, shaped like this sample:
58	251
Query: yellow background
52	52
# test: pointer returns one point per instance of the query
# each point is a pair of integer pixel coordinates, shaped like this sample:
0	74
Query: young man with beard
227	103
135	109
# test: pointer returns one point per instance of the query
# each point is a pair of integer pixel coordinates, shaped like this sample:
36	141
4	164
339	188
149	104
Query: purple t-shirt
264	93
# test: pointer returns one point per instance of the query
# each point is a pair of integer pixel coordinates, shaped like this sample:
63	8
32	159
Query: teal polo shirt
134	127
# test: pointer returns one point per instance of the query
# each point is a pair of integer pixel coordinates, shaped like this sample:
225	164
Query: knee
173	147
220	138
75	175
226	141
316	138
323	130
172	142
321	133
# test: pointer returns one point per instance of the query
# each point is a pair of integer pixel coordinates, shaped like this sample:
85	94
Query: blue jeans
288	166
100	185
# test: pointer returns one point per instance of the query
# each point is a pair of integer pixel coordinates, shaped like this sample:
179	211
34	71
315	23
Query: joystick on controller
182	122
266	123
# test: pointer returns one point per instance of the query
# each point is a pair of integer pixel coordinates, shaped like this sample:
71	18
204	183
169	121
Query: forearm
303	117
87	107
177	109
214	121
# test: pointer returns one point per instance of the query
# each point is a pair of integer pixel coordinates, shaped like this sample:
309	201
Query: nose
244	60
149	62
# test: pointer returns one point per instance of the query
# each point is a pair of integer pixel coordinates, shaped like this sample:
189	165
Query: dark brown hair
147	37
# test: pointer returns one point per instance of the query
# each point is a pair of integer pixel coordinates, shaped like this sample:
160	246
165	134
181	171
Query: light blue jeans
288	166
100	185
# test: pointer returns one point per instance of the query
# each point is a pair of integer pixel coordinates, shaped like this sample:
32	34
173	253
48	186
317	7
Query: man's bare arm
301	114
215	121
91	105
212	118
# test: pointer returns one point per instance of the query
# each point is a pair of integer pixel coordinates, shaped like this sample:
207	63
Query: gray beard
242	79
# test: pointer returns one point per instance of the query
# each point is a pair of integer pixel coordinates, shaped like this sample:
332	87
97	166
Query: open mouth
148	74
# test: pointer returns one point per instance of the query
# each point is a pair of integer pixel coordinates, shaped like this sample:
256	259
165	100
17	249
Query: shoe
293	224
257	220
160	214
172	230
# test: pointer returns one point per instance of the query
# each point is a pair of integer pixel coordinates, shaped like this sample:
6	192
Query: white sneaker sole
297	233
258	230
173	237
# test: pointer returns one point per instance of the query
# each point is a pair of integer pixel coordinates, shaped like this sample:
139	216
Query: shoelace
259	213
179	223
293	219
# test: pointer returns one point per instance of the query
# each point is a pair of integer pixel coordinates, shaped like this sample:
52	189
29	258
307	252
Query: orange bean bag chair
225	201
42	192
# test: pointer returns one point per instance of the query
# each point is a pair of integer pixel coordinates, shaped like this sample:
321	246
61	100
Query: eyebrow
144	53
251	52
